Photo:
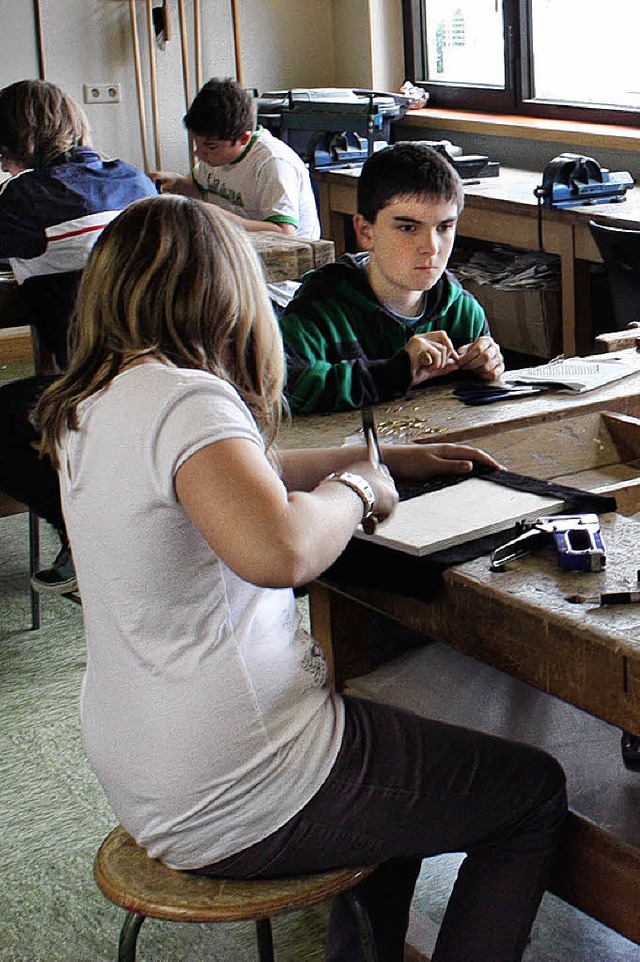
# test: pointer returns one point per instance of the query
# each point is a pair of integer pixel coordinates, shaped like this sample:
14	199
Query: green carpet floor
53	815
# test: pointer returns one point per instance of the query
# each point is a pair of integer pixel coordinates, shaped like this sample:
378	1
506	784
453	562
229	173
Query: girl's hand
384	489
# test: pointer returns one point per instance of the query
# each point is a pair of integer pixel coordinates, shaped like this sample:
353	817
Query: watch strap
361	487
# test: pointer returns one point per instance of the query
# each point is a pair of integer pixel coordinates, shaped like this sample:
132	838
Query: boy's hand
431	355
414	462
168	182
482	358
165	180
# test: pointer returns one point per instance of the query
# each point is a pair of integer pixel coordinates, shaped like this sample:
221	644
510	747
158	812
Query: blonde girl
205	711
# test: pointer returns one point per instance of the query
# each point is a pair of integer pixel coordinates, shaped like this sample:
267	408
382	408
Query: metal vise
577	539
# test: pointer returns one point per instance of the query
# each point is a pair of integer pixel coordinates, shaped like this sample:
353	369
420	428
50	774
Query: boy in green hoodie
375	324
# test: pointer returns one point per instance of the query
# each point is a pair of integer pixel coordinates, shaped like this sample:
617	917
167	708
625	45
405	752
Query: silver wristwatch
361	487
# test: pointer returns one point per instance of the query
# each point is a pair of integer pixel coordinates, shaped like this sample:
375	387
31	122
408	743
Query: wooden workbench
287	258
565	675
504	210
434	414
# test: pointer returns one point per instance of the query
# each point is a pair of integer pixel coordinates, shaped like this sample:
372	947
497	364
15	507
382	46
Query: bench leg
129	937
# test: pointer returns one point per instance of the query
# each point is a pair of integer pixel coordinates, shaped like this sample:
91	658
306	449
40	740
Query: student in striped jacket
59	196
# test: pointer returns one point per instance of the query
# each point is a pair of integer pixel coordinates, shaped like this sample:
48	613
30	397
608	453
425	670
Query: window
546	58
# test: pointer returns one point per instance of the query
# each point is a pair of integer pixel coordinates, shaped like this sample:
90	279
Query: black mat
369	565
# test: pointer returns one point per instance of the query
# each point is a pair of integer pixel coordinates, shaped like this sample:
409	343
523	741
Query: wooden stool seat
147	888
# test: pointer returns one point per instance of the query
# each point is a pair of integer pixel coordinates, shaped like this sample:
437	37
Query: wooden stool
147	888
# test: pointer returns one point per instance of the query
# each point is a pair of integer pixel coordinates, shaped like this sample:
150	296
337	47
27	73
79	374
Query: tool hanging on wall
37	13
139	88
158	27
197	39
186	83
161	24
236	39
154	84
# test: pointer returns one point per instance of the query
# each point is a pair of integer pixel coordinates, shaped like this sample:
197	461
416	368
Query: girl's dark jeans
404	788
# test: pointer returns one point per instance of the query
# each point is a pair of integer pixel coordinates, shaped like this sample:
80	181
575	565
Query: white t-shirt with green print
270	182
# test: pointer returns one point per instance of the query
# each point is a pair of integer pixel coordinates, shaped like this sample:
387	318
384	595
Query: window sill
573	133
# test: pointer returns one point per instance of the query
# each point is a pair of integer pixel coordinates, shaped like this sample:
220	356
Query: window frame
516	97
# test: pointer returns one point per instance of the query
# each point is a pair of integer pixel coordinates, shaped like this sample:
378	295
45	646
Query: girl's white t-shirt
205	711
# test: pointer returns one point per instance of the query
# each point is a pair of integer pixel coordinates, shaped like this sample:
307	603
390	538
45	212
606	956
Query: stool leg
265	940
368	951
129	937
34	564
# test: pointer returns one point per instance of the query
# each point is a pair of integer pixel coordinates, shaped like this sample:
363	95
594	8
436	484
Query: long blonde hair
173	279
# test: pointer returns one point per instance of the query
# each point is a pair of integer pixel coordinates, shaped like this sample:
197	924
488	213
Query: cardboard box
525	320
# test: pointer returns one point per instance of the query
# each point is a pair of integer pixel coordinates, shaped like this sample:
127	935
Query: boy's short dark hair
222	109
408	168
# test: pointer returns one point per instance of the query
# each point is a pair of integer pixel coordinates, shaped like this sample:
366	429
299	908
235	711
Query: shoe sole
62	588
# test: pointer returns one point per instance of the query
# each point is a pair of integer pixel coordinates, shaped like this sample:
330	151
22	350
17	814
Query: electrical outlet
101	93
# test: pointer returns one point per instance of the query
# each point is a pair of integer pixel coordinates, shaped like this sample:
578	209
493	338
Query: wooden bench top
435	414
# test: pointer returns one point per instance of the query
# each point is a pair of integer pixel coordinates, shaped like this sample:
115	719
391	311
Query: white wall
352	43
283	43
18	38
367	39
387	47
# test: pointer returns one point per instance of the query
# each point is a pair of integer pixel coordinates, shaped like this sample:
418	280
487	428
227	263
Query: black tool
478	393
373	453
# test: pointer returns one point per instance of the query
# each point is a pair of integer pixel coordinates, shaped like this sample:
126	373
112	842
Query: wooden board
451	516
288	258
597	452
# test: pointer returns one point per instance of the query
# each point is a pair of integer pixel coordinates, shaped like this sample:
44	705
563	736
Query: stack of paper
579	374
508	269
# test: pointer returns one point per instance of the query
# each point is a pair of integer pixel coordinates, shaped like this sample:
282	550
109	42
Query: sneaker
60	578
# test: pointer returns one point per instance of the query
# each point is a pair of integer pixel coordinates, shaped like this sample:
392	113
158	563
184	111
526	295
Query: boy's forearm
188	188
256	225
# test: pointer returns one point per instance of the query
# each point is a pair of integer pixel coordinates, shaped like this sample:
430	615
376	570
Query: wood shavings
399	428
